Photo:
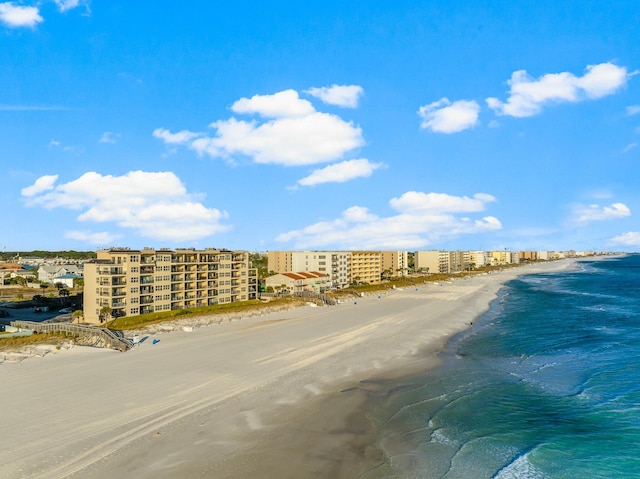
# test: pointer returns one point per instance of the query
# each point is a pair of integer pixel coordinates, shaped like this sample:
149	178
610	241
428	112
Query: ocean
545	385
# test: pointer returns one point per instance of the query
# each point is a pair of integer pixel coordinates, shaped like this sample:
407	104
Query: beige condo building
132	282
366	267
335	264
396	263
441	261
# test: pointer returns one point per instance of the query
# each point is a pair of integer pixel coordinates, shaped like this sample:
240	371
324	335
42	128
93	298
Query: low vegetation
14	343
135	322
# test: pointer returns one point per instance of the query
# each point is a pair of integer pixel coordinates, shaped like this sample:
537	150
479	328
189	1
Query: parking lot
29	314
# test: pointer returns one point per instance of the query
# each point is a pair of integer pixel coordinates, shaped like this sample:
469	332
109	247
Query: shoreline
279	395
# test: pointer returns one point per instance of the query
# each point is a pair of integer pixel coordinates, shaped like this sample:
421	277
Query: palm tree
63	293
105	313
76	315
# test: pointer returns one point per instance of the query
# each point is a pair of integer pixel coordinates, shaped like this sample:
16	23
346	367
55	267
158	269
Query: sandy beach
281	395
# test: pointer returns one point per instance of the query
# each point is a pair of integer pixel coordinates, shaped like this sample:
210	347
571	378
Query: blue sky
405	125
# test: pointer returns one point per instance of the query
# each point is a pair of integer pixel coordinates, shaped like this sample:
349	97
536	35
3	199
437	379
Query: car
64	311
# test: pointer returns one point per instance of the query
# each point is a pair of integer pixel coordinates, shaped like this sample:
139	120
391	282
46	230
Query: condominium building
336	264
366	266
396	263
499	258
528	255
132	282
478	259
440	261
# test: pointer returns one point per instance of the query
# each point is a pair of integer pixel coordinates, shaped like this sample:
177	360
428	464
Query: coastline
279	395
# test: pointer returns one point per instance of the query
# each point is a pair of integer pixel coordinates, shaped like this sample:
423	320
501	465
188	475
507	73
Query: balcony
118	292
176	287
146	269
118	304
119	281
146	279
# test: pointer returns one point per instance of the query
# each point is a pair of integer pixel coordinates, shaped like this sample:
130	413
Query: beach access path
266	396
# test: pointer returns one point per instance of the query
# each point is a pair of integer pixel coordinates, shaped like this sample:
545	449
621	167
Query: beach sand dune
273	396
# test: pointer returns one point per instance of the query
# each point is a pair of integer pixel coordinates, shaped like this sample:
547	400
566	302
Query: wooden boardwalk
103	337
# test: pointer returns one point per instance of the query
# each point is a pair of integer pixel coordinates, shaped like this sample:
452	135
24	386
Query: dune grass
135	322
16	342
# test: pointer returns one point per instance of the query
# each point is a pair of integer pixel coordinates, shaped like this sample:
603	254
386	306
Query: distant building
336	264
366	267
299	282
132	282
528	255
50	273
501	258
446	262
478	259
396	262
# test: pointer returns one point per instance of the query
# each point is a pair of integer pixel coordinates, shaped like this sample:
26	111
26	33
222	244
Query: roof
304	275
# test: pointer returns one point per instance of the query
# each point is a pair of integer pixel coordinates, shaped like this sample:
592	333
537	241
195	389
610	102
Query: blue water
545	385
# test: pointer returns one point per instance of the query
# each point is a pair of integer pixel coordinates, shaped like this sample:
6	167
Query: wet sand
281	395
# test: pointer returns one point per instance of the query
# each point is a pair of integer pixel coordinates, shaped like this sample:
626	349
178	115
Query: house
51	273
299	282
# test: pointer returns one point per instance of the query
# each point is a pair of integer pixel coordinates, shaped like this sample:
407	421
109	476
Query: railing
316	296
103	335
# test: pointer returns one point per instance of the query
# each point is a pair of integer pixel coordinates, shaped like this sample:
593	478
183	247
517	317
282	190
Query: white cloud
443	116
633	110
527	96
98	238
630	147
283	104
422	219
65	5
291	133
632	238
180	138
417	202
154	204
341	172
589	213
14	15
109	137
44	183
346	96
